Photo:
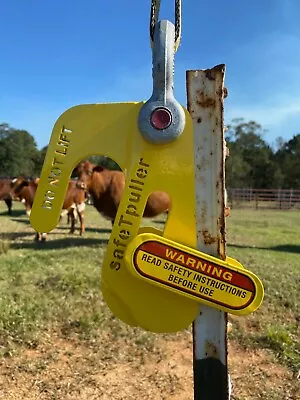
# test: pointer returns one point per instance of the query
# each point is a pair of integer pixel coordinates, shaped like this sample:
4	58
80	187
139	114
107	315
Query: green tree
18	152
288	157
106	162
251	161
40	160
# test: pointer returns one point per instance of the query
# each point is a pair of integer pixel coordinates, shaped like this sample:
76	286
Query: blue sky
56	54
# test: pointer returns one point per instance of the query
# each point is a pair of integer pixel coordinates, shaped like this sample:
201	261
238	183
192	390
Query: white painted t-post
205	94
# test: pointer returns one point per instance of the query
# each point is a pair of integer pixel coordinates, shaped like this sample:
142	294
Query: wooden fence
282	199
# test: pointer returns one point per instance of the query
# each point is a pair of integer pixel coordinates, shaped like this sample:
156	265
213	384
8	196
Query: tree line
252	162
19	155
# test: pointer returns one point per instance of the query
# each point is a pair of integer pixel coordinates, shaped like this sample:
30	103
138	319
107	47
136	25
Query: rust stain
208	238
221	250
221	219
222	243
212	73
222	230
222	93
211	350
220	181
205	101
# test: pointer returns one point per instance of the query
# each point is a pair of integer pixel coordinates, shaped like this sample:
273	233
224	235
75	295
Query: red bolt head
161	118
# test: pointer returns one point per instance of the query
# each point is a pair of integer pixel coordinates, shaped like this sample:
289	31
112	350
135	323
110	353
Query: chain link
155	6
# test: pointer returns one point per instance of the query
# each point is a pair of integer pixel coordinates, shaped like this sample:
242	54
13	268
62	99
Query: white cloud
271	115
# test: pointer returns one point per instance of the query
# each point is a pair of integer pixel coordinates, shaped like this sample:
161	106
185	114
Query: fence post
231	197
291	198
280	198
205	93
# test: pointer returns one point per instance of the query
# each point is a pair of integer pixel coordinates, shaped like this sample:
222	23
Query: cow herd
103	186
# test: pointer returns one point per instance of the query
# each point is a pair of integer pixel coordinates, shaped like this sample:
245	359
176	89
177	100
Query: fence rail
283	199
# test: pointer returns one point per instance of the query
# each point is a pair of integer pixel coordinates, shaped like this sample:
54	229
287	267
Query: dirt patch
118	369
256	375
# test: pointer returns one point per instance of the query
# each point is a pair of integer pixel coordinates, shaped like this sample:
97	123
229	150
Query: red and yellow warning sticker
188	272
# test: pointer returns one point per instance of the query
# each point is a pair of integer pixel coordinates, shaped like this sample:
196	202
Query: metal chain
155	6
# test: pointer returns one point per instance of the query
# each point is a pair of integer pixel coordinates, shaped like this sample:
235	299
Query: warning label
195	276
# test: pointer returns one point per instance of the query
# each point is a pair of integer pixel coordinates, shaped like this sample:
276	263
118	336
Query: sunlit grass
55	286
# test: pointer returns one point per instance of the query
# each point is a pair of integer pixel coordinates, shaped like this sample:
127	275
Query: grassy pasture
58	340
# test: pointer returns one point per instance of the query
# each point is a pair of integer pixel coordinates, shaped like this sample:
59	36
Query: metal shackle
162	118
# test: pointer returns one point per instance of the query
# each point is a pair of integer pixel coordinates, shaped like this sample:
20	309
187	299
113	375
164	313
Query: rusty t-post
205	94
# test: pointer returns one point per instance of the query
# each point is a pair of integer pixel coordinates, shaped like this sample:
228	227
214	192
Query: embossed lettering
124	235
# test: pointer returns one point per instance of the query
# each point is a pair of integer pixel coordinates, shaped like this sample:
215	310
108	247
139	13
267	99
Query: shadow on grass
14	235
59	243
4	213
87	229
21	220
287	248
14	213
65	227
159	222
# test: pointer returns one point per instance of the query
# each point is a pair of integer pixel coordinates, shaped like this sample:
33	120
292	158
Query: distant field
58	340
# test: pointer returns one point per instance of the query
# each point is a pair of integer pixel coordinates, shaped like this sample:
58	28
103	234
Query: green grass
4	246
268	243
55	286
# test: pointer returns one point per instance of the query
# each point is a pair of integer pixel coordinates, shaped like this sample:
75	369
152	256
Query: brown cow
24	190
5	193
106	188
